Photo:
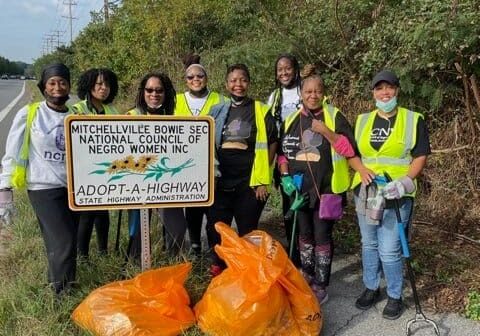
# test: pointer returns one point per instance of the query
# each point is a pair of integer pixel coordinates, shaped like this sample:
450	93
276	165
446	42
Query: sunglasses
151	90
200	76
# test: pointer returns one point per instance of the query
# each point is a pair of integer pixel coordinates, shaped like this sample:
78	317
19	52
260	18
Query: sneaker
215	270
367	299
320	293
393	309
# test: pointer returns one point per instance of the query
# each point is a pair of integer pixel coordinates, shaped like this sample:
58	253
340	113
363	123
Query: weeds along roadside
28	307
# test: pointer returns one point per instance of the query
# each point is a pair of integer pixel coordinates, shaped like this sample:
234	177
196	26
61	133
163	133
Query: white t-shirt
46	160
290	101
195	104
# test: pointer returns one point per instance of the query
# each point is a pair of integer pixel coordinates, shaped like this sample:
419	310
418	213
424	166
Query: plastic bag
153	303
260	293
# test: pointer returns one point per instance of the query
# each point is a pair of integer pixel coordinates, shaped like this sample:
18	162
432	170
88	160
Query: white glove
398	188
6	207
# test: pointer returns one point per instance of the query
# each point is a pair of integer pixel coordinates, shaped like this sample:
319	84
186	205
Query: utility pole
105	9
56	34
48	41
70	3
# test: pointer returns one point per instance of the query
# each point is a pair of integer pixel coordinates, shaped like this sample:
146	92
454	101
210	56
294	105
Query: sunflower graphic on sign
148	166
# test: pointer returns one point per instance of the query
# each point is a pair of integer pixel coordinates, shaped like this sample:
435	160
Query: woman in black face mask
35	159
245	141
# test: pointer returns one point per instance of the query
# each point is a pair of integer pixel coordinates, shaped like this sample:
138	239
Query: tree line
433	45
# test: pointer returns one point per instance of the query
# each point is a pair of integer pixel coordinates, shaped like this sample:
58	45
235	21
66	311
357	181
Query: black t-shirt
237	151
303	147
382	128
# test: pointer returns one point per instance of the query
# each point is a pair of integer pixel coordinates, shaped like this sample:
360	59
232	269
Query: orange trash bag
259	293
155	302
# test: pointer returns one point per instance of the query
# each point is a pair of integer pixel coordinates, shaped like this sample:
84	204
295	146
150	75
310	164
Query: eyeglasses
199	76
156	90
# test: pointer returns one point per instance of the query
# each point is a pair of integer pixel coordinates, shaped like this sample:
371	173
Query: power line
70	3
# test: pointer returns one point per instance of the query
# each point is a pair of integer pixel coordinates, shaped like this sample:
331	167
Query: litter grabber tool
298	202
419	315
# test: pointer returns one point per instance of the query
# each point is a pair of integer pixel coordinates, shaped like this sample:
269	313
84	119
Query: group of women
299	140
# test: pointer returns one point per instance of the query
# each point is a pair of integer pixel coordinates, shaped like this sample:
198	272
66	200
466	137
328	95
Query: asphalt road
342	318
9	90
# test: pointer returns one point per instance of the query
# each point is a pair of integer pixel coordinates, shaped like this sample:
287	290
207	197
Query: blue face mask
388	106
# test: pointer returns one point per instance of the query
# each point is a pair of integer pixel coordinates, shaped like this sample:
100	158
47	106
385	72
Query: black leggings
59	231
101	221
238	203
194	217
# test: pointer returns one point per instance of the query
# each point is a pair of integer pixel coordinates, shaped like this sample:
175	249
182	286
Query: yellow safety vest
133	112
182	108
262	172
82	108
18	178
340	178
394	155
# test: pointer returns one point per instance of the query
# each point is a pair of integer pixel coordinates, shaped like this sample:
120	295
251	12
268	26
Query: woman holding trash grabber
97	88
197	101
394	140
35	159
283	101
315	143
245	142
156	96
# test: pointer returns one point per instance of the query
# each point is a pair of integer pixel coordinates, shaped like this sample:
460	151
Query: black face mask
237	99
59	101
199	93
158	110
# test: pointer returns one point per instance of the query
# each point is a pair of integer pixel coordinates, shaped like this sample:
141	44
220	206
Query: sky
24	25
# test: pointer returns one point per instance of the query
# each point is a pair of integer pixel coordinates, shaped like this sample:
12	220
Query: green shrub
472	311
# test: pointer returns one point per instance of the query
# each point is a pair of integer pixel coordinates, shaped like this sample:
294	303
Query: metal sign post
145	239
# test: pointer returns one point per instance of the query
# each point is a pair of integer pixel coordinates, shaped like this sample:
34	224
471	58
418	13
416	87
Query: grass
29	307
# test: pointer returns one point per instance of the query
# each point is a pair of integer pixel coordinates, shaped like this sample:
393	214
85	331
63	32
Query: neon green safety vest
182	108
82	108
133	112
18	178
394	155
340	181
262	171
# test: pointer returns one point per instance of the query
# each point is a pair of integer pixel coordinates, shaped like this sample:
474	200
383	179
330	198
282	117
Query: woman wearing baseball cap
395	140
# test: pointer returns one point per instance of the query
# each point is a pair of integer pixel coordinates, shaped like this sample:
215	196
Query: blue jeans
381	250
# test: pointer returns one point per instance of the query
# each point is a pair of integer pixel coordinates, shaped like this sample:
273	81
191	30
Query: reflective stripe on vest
18	178
340	178
394	155
182	108
262	172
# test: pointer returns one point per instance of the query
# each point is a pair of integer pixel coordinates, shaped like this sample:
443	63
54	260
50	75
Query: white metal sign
123	162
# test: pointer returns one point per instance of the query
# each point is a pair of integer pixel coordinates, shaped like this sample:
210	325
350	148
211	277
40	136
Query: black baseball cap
385	76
